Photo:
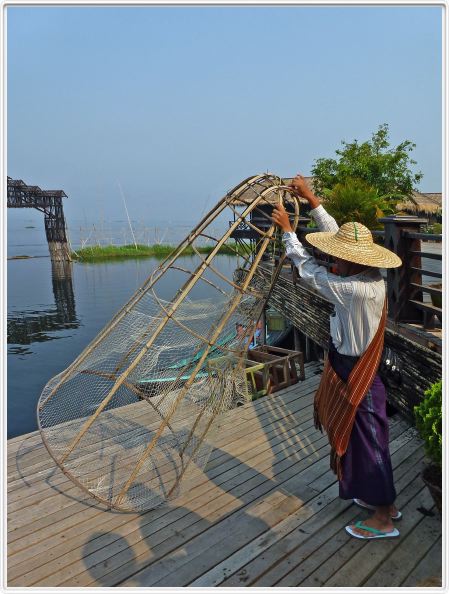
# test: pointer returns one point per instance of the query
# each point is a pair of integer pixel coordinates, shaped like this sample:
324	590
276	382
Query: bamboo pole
197	420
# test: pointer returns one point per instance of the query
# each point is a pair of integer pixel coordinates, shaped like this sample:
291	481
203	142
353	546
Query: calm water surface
52	319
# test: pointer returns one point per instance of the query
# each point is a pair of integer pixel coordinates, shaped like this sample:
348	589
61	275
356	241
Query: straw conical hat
354	242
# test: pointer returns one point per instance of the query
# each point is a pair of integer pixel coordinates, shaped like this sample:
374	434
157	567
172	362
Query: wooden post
296	339
263	335
307	349
399	287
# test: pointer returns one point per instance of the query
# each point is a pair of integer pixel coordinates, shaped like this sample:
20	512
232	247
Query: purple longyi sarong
366	465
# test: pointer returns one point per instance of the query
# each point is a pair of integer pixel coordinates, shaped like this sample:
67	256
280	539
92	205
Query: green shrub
355	200
428	416
437	228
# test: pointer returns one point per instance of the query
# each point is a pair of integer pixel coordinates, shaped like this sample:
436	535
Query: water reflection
43	310
28	326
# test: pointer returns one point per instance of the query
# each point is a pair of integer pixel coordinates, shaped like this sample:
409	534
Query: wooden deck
266	513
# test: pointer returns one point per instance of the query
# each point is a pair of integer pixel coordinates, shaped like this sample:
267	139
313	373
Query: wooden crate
270	369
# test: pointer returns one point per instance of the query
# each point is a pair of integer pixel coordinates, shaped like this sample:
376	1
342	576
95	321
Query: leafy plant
428	416
355	200
436	228
386	169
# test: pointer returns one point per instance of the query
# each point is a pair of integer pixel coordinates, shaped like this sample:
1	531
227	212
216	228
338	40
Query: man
351	400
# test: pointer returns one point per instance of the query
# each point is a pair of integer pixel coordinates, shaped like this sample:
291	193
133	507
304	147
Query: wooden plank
252	410
298	446
427	307
428	571
236	565
219	477
358	568
398	566
422	271
139	408
240	445
255	414
214	457
177	570
246	442
276	548
257	482
183	574
431	255
256	494
182	525
335	549
254	406
427	289
265	536
256	491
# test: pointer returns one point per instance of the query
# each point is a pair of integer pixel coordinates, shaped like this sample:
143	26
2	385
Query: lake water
52	319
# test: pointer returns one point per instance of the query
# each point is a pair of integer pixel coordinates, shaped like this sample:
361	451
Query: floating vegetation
97	252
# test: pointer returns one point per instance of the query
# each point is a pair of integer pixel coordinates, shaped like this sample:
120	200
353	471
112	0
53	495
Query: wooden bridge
50	203
265	513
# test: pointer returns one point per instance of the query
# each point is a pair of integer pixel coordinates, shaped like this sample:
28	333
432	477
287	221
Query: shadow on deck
266	513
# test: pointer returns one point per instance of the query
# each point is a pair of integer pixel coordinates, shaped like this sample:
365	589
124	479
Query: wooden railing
431	308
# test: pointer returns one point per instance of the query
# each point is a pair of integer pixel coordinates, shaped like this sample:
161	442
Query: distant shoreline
102	253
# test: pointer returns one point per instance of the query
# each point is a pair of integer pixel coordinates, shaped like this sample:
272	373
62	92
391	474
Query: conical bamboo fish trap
131	419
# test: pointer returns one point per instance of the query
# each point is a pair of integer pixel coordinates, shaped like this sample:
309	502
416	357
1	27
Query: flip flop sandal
375	533
361	503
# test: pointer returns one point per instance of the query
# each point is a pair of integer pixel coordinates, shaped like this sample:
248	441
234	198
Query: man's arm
330	285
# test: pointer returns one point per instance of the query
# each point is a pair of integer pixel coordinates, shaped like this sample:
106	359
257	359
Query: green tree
386	169
355	200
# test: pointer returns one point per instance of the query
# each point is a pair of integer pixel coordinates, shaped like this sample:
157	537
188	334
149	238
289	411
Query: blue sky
177	105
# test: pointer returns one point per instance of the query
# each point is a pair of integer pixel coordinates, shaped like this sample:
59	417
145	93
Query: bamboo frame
197	367
168	312
184	291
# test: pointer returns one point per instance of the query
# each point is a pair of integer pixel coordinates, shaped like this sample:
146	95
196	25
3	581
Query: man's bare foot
378	521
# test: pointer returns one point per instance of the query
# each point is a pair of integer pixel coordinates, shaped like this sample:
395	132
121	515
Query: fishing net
132	419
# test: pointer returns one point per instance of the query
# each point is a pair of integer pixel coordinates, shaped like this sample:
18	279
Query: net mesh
132	419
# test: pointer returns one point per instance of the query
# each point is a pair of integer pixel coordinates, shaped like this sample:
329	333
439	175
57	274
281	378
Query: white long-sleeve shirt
358	299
